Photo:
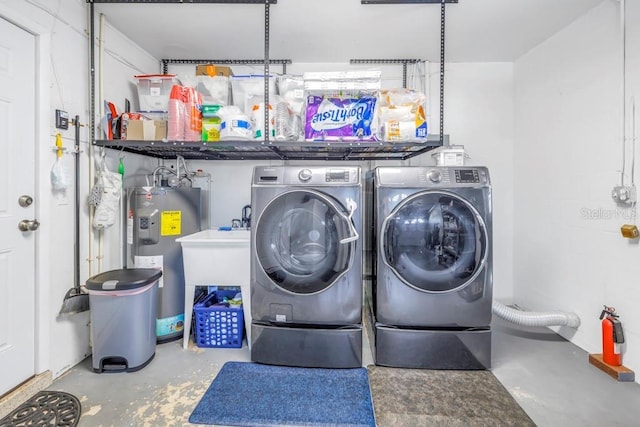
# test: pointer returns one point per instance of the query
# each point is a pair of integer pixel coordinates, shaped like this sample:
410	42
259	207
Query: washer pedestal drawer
314	347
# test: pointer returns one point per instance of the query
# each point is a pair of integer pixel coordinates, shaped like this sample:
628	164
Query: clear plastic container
282	121
154	90
452	155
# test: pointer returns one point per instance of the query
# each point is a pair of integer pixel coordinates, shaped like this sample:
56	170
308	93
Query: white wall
478	113
569	252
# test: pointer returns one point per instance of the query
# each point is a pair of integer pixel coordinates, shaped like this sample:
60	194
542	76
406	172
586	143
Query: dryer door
435	241
305	241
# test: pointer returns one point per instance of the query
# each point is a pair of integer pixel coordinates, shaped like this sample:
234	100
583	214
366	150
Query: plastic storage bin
124	305
154	91
452	155
218	326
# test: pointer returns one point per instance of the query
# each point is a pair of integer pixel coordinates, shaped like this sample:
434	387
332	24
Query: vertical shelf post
266	72
442	22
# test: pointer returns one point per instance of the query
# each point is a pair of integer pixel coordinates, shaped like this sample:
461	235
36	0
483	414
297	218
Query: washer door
434	241
305	241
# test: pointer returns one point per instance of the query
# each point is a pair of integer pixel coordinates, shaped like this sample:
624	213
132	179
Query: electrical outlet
62	119
624	194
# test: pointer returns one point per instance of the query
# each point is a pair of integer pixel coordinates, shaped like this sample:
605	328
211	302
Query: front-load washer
431	294
306	266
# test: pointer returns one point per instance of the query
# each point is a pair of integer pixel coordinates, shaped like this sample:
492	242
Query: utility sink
216	237
216	258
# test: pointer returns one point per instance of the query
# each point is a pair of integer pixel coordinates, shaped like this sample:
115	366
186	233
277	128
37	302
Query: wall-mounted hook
59	149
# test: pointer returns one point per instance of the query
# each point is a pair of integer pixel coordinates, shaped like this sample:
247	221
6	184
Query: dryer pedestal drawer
433	349
307	347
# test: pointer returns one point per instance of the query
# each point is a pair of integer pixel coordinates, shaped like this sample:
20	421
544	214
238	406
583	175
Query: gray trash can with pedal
124	305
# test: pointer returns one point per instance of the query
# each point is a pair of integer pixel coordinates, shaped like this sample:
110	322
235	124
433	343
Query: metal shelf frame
404	63
270	150
186	1
407	1
265	150
283	62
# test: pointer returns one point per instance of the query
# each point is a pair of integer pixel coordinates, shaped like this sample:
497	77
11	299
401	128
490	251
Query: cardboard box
161	130
125	119
146	130
143	127
213	70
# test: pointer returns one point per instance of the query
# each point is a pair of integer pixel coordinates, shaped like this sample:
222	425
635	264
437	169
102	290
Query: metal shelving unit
274	150
263	150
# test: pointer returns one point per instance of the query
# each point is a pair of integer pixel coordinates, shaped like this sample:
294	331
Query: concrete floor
550	378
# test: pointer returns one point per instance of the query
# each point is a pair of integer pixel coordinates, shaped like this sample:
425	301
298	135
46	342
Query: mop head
74	302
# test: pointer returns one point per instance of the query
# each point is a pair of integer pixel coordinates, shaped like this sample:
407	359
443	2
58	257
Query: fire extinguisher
611	335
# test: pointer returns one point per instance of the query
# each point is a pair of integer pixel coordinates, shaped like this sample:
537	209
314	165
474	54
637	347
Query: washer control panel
330	175
337	175
307	176
467	176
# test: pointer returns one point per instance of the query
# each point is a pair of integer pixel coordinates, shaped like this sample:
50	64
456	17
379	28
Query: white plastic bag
111	185
59	176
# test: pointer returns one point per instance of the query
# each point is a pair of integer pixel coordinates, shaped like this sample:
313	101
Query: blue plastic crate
218	326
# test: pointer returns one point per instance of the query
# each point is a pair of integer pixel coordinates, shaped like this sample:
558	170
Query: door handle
25	201
28	225
352	229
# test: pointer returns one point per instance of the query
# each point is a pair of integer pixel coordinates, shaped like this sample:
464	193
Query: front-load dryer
306	266
431	295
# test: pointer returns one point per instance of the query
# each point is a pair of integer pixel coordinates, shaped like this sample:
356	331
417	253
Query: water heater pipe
99	255
535	319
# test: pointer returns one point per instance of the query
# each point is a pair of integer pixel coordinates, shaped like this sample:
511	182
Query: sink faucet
246	216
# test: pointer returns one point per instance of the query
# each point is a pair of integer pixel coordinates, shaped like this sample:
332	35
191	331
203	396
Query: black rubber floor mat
45	408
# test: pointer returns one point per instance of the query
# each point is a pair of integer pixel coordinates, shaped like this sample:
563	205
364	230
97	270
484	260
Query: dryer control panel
432	176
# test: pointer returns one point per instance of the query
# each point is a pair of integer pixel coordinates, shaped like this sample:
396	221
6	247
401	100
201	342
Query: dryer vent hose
535	319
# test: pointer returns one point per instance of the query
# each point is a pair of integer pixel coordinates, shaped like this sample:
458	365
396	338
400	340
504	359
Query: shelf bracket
442	28
404	63
278	153
283	62
407	1
186	1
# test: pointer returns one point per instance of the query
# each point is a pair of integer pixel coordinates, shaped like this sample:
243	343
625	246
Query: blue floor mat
251	394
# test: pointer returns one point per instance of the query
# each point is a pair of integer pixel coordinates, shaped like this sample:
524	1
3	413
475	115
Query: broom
76	301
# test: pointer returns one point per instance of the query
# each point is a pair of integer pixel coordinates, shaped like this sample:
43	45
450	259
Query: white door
17	179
